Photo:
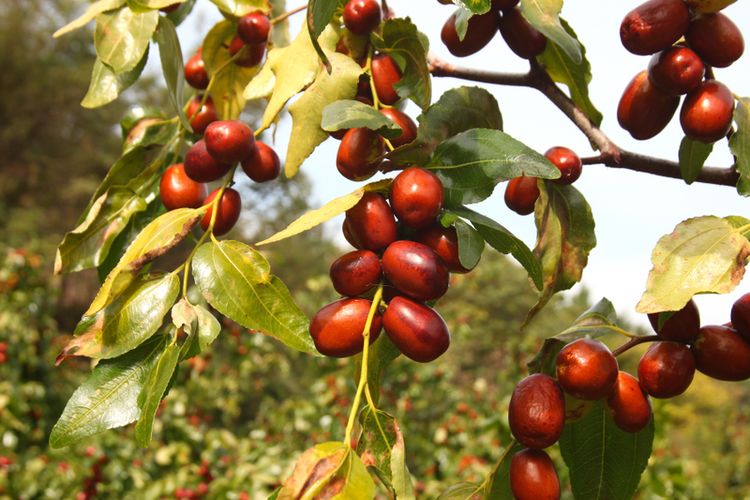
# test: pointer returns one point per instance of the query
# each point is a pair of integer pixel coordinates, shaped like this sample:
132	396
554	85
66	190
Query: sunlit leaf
106	85
153	392
544	15
122	37
348	113
739	143
92	11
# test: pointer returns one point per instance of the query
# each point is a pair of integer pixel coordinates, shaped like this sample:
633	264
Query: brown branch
634	342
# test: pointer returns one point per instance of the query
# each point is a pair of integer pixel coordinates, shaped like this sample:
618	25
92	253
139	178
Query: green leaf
470	244
198	323
132	318
693	155
319	14
106	85
108	398
239	8
499	486
471	163
401	40
474	6
172	66
604	461
348	113
575	75
146	5
122	37
544	15
153	392
381	444
237	281
92	11
150	132
460	491
739	143
702	255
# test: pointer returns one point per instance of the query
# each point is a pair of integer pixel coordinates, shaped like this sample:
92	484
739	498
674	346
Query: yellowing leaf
93	10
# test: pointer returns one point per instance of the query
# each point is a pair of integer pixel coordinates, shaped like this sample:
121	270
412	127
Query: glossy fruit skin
416	197
359	154
444	242
522	38
480	31
177	190
716	39
706	113
666	369
567	161
195	72
408	127
227	214
521	194
417	330
644	110
253	28
229	141
361	16
533	476
586	369
741	316
630	406
263	165
337	328
356	272
721	353
371	223
536	413
252	56
385	74
654	26
676	70
201	116
415	270
682	326
504	4
203	167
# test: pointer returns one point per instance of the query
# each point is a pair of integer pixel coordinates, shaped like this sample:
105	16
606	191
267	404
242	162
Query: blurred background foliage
238	416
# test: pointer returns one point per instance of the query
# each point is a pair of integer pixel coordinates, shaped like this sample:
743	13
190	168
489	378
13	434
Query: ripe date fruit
567	161
361	16
533	476
416	329
504	4
444	242
644	110
177	190
722	354
706	113
408	127
522	38
356	272
654	26
370	222
195	72
263	165
682	325
676	70
741	316
337	328
536	413
521	194
359	154
201	116
631	409
586	369
227	214
252	56
202	166
666	369
716	39
415	270
385	74
481	29
253	28
416	197
229	141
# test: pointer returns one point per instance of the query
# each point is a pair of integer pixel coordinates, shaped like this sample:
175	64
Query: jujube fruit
504	4
536	413
567	162
195	72
522	38
348	235
201	116
521	194
356	272
416	329
253	28
415	269
252	55
177	190
337	328
716	39
361	16
722	354
228	212
416	197
706	113
371	223
533	476
666	369
263	165
229	141
359	154
741	316
479	32
385	74
408	127
682	325
644	110
631	409
676	70
586	369
654	26
202	166
444	242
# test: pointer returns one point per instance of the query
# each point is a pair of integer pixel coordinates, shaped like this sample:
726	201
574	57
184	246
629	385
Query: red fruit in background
416	329
361	16
631	409
356	272
229	141
416	196
337	328
253	28
263	165
227	214
567	161
371	223
654	26
201	116
522	38
706	113
676	70
203	167
741	316
521	194
722	354
195	72
644	110
177	190
444	242
170	8
415	270
359	154
716	39
408	127
536	413
666	369
586	369
252	55
385	74
480	31
533	476
682	325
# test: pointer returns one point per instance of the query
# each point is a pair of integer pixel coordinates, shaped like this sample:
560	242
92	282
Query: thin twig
634	342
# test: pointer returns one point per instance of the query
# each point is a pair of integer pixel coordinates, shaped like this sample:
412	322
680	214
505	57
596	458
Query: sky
632	210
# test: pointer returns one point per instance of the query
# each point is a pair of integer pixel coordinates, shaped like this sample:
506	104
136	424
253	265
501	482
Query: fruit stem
282	17
634	342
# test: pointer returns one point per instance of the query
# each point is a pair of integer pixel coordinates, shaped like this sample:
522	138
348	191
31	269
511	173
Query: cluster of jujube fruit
686	46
